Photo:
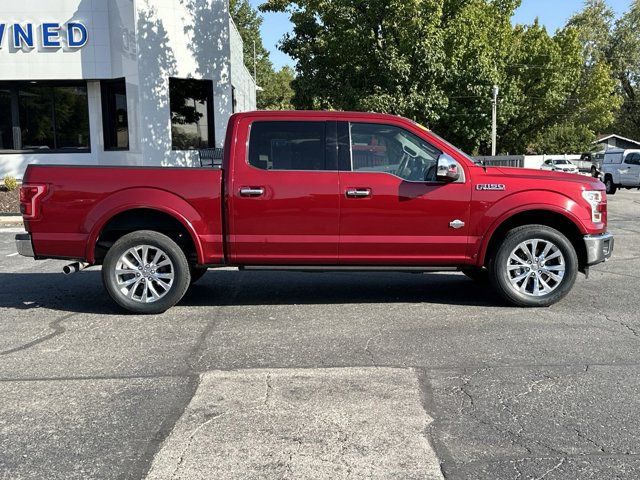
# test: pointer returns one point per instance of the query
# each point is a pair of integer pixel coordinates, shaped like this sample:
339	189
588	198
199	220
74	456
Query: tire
197	273
611	187
561	260
594	172
478	275
152	287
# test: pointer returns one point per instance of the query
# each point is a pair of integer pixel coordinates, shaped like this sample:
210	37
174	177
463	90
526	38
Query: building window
44	116
114	114
288	145
6	124
191	114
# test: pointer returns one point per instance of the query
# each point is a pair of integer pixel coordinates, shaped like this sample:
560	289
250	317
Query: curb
14	219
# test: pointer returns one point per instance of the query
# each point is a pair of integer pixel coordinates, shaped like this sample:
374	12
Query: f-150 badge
491	186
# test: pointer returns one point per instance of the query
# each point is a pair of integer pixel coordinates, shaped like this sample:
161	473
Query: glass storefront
44	117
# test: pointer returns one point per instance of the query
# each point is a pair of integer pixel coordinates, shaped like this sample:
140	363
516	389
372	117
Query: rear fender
147	198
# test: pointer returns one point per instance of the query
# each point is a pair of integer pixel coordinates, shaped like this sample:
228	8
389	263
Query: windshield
562	162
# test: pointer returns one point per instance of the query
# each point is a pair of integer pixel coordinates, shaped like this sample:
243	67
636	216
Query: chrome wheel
144	273
536	267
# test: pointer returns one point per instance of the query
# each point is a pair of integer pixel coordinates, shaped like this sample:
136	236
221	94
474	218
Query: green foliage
435	61
276	85
10	183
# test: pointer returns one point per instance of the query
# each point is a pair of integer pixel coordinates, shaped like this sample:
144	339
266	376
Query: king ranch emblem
499	187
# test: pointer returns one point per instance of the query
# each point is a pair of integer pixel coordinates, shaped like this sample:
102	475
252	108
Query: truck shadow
83	292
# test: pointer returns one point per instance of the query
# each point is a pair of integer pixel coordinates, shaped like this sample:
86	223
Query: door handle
358	192
251	191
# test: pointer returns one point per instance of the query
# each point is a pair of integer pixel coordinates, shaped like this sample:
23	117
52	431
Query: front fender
506	208
147	198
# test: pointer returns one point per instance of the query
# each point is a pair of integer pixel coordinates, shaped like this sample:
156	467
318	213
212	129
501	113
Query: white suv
621	169
559	166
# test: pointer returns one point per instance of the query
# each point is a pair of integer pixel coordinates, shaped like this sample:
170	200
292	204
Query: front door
393	211
630	171
285	199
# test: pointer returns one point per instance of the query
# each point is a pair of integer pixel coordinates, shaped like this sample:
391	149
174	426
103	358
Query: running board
336	268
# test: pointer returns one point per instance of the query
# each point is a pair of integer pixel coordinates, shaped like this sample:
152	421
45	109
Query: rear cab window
289	145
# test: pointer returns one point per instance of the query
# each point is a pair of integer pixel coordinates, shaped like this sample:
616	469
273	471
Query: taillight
30	196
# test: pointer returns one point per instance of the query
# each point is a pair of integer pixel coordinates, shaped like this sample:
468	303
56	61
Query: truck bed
81	200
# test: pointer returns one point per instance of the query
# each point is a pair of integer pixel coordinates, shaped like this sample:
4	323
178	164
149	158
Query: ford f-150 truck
318	191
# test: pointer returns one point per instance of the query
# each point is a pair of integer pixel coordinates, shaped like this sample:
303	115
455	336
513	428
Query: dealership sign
26	36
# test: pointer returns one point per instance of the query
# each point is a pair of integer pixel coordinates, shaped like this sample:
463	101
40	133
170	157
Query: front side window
114	115
288	145
633	159
45	117
191	113
393	150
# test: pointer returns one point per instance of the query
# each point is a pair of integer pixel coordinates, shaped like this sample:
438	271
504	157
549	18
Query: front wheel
611	187
146	272
536	266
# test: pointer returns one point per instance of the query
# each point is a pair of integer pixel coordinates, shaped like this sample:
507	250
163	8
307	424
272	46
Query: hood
547	175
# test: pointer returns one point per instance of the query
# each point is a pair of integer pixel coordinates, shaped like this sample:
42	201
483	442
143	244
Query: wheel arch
128	211
562	221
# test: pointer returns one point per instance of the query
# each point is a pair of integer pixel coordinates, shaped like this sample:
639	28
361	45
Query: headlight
594	198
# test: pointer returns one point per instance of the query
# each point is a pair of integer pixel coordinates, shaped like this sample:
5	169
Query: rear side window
288	145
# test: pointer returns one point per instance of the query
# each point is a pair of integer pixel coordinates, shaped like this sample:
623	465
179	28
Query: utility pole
494	123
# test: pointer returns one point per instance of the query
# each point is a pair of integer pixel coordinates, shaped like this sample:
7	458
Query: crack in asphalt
590	440
368	350
55	325
553	469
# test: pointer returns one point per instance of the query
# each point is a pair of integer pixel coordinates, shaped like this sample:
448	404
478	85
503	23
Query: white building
117	82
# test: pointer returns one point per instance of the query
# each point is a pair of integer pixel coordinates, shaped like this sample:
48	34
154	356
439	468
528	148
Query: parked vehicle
559	166
318	191
621	169
592	162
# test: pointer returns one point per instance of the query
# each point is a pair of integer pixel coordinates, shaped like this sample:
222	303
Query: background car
559	166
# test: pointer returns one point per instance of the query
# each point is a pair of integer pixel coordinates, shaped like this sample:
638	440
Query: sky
551	13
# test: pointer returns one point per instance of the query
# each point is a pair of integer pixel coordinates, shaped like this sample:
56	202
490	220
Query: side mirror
448	169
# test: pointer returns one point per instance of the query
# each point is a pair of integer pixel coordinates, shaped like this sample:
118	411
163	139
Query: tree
382	55
435	61
593	25
624	55
276	86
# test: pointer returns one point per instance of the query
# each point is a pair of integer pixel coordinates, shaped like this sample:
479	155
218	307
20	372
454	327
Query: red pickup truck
318	191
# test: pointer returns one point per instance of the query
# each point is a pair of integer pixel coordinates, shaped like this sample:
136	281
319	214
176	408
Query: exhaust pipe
74	267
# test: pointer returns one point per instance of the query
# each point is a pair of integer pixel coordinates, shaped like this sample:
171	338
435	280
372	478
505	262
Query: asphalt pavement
321	375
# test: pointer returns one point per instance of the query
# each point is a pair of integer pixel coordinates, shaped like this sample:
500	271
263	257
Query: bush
10	183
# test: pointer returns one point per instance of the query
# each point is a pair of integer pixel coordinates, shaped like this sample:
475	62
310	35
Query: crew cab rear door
393	211
284	199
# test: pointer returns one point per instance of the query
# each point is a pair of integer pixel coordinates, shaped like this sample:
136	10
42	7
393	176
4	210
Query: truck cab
319	191
621	169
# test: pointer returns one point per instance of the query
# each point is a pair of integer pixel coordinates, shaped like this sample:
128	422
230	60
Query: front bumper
24	245
599	248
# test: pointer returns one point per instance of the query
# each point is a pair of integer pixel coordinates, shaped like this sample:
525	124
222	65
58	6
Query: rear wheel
146	272
536	266
594	172
611	187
